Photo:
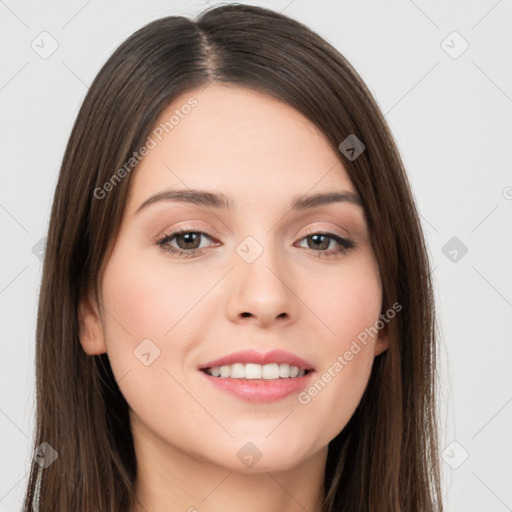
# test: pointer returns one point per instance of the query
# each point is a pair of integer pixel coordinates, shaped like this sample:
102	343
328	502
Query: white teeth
284	370
270	371
252	371
256	371
237	371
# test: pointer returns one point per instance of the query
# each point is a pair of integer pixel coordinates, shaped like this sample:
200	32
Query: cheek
349	308
143	310
147	300
346	301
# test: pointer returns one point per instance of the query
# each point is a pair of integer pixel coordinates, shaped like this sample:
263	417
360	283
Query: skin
261	153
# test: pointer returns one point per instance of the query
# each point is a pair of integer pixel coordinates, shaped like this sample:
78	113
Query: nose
261	291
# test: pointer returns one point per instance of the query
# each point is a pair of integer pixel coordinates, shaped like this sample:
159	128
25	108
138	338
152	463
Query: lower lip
260	390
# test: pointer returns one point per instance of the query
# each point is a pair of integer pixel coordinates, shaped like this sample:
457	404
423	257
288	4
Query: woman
236	307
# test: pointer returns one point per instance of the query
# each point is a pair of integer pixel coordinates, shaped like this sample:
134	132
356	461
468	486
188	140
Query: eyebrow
220	201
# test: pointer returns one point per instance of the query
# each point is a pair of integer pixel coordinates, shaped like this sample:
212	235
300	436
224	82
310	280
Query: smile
259	377
256	371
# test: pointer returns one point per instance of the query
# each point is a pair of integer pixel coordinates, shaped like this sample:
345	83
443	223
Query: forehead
240	142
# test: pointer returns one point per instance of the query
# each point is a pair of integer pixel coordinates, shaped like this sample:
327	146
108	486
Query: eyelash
345	244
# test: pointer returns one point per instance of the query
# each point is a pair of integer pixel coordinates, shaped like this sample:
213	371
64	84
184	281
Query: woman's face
268	273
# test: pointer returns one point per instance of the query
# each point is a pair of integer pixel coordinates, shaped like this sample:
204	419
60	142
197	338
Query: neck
170	479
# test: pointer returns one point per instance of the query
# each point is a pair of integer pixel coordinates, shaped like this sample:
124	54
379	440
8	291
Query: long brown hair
386	457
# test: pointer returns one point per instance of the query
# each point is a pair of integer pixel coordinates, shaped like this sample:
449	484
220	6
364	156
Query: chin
259	455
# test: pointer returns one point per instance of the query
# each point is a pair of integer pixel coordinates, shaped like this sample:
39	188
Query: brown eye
187	242
320	243
190	240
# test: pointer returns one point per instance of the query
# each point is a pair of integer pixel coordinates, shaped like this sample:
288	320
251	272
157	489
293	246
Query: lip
253	356
260	390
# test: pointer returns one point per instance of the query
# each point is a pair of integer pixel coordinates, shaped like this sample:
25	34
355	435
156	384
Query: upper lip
253	356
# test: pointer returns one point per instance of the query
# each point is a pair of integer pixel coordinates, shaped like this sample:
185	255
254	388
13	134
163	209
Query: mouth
256	377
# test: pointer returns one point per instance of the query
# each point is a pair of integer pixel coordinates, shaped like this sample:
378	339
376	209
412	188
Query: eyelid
316	230
176	230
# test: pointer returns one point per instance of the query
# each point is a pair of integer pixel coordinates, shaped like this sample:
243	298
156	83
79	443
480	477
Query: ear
382	342
90	333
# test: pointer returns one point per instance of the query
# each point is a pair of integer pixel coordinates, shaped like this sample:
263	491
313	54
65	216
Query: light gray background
451	118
